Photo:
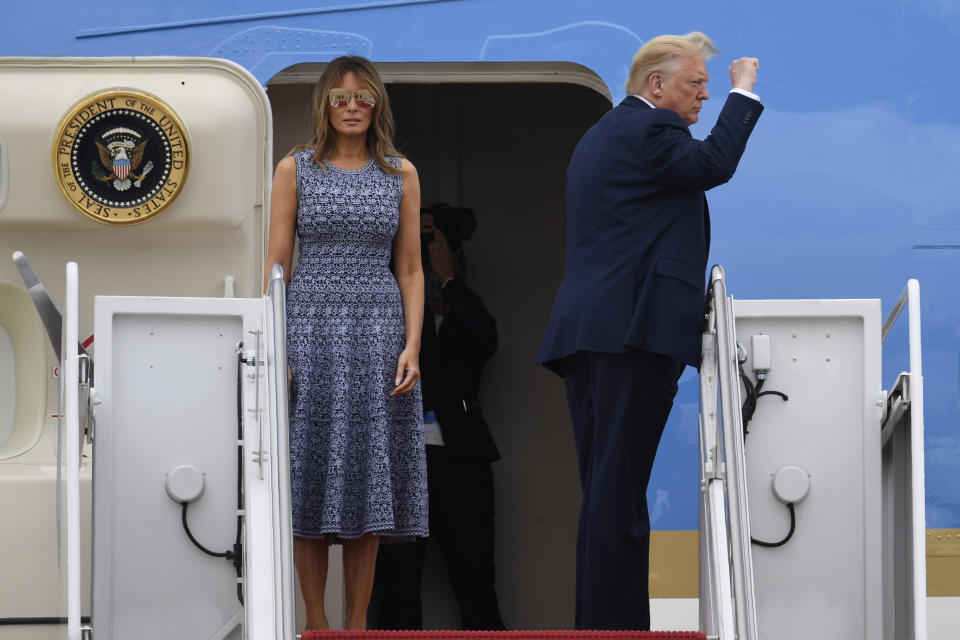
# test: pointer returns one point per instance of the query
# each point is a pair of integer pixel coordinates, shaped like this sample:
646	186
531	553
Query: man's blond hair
663	55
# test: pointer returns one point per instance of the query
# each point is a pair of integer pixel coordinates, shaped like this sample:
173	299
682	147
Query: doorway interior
498	141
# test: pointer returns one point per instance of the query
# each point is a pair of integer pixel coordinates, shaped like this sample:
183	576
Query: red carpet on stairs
502	635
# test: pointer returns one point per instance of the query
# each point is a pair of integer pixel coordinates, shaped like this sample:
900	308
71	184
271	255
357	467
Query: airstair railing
716	595
71	405
904	495
276	294
729	559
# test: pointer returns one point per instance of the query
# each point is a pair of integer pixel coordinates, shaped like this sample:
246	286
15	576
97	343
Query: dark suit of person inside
459	337
628	314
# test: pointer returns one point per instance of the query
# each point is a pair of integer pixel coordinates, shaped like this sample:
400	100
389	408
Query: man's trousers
619	404
461	521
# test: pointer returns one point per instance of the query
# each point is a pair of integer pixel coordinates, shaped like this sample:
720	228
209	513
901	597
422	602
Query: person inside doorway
459	337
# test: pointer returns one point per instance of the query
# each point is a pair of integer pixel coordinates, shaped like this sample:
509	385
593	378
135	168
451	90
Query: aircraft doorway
500	148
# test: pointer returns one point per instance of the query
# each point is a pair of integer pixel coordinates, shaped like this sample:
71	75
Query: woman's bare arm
406	252
283	219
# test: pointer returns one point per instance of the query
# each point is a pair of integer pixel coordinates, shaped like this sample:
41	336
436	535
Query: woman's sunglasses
340	98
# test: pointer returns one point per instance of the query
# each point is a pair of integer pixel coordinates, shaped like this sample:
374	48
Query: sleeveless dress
357	453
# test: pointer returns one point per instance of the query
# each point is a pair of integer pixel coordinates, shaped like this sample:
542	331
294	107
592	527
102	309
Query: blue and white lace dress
357	453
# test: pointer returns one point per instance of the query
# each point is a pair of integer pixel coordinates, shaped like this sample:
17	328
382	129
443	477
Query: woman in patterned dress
356	440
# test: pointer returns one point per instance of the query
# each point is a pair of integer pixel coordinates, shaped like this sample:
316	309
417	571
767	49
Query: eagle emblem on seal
121	152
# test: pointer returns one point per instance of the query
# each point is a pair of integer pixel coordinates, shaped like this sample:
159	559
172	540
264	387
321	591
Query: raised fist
743	73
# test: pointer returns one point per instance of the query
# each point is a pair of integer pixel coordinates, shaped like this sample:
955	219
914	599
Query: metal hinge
896	408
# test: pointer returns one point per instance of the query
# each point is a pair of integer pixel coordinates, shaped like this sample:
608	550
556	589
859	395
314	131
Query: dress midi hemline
389	534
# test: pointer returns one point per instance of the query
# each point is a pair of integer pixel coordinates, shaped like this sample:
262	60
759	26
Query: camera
456	223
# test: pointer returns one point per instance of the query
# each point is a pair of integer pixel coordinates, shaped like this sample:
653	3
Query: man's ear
655	84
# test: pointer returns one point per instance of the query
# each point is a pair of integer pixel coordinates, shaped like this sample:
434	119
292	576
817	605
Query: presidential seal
121	157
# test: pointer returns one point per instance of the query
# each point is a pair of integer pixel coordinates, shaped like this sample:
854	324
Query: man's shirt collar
637	95
749	94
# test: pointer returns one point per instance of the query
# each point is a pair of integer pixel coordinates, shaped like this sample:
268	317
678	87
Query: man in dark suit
628	314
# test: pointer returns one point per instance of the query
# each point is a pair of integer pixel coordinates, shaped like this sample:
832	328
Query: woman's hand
408	372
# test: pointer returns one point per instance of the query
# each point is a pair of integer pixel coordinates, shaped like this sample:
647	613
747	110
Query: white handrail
737	504
71	378
716	594
732	610
277	295
910	297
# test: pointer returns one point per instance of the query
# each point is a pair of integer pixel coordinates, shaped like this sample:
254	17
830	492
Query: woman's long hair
380	133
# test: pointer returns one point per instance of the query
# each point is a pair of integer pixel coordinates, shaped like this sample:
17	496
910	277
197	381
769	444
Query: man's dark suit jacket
451	362
638	231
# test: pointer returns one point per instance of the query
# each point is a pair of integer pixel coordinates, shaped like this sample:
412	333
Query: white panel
681	613
167	380
173	404
673	614
943	618
824	582
8	385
